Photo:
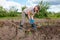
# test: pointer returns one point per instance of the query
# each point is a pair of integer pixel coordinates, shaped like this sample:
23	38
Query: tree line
43	13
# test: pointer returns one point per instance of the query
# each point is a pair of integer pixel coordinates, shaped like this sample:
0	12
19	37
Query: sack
31	21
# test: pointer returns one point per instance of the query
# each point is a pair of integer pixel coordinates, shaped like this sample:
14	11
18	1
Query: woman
29	13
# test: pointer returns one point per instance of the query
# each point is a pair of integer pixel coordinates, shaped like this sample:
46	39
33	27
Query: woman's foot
21	26
34	26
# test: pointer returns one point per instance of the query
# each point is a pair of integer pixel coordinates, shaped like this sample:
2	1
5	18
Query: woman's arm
28	13
32	16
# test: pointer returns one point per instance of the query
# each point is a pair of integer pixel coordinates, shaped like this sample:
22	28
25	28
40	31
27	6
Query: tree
43	10
13	9
23	8
2	9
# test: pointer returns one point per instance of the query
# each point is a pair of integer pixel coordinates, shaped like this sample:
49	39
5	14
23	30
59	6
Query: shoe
21	26
34	27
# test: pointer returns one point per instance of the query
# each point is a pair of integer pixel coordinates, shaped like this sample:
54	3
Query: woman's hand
30	15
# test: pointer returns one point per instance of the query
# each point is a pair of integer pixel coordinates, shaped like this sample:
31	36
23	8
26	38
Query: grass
19	18
5	18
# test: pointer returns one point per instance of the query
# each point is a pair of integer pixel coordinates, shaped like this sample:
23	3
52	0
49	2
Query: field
48	23
47	29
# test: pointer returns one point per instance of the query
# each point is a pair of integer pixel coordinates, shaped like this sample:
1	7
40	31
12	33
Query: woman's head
36	8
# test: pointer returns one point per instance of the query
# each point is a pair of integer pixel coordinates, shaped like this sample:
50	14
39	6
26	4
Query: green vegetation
23	8
11	13
43	10
43	13
54	15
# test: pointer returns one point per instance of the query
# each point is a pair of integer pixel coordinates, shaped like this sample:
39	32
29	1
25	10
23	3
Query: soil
46	30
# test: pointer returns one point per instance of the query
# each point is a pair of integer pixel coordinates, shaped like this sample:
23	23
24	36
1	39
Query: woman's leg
23	19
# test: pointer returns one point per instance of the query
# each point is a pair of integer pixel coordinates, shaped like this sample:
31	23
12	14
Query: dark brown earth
47	29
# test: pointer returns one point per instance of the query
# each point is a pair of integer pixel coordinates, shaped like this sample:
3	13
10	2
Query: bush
53	15
8	14
43	10
4	13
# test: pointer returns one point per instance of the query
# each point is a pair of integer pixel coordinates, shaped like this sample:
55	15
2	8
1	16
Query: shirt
31	9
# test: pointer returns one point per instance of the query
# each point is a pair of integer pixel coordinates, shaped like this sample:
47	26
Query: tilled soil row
49	31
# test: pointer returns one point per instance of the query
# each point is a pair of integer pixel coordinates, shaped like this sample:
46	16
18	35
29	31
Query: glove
31	21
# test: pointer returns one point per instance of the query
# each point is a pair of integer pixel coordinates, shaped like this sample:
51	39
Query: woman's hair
37	7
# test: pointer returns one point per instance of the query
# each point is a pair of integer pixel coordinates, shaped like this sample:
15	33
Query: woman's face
36	9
